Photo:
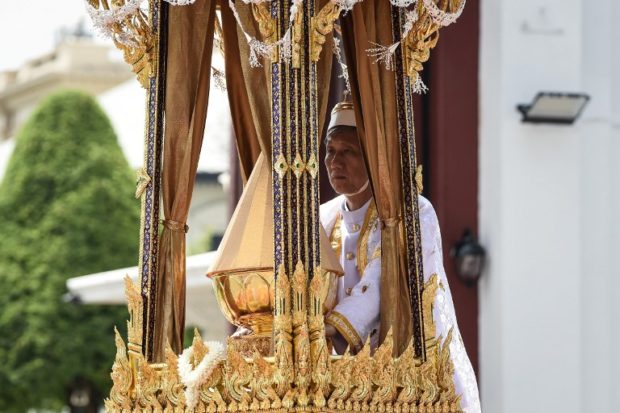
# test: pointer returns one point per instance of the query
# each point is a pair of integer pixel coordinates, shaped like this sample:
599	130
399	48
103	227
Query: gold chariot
276	271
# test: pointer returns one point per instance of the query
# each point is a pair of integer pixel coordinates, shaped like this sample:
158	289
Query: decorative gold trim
335	238
421	39
281	166
298	166
142	181
134	37
428	299
322	25
312	166
319	352
297	38
301	335
267	26
419	180
344	327
362	247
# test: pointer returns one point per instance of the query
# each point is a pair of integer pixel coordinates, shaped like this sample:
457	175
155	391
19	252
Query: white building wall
549	200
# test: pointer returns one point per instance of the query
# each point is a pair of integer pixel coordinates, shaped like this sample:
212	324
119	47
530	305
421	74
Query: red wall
448	134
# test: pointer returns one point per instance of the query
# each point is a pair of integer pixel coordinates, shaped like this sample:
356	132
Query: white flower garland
192	377
104	20
262	49
180	2
441	17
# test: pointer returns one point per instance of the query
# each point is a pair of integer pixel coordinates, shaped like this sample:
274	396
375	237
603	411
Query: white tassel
383	54
419	87
441	17
180	2
258	49
343	67
286	51
219	78
403	3
104	20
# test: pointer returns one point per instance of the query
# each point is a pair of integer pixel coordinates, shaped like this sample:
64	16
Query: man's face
345	163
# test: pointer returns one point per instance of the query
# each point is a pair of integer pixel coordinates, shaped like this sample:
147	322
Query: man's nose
337	160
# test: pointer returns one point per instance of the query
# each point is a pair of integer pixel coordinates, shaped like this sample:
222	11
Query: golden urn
243	270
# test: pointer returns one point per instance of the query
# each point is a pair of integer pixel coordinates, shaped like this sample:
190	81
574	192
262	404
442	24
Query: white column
531	209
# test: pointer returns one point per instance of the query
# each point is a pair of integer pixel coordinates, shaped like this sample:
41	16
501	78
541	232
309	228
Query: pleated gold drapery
374	97
190	44
248	90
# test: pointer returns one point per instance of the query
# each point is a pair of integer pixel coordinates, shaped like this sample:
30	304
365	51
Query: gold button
364	288
349	290
349	255
355	227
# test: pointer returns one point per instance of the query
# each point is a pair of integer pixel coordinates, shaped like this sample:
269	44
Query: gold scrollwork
267	25
135	37
322	26
428	298
280	166
301	337
122	379
319	352
419	179
423	37
283	338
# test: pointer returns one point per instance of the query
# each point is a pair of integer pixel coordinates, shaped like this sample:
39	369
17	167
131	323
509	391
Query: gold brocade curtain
190	44
374	97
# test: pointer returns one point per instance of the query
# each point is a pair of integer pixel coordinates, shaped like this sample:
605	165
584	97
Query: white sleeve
356	317
443	309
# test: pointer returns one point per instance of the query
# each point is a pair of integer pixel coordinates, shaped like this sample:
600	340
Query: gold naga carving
321	26
267	25
301	339
364	382
134	36
423	37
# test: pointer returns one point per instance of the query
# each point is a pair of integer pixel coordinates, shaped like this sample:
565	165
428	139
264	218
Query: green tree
66	209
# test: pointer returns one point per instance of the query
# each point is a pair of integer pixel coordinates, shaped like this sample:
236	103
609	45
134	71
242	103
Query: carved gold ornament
419	179
322	25
432	15
267	25
312	166
127	24
301	376
298	167
280	166
142	181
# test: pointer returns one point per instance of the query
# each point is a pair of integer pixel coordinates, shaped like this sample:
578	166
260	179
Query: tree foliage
67	209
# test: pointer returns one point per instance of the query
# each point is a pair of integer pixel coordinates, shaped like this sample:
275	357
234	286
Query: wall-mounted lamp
551	107
469	256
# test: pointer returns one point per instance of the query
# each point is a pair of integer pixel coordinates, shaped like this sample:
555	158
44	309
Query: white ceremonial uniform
360	310
356	316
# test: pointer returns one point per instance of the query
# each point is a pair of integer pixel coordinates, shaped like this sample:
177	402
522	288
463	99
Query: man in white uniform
352	223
